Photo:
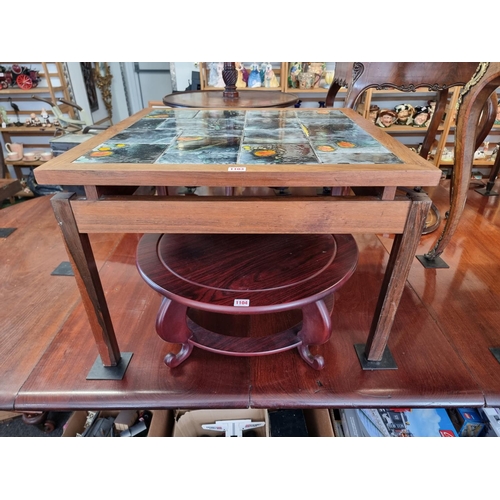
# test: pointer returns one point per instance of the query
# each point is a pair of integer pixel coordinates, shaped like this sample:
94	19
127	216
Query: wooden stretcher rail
240	215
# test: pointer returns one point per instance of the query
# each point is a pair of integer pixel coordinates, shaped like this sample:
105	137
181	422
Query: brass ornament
103	77
478	74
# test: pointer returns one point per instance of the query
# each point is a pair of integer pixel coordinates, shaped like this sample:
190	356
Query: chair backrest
406	77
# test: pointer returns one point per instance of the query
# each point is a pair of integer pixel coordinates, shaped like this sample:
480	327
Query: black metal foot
486	192
101	372
6	231
386	363
63	269
496	352
437	263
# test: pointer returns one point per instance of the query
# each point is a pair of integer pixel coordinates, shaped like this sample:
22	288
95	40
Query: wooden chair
473	98
358	77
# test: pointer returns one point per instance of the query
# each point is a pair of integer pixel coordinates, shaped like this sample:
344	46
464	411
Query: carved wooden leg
316	330
171	326
474	97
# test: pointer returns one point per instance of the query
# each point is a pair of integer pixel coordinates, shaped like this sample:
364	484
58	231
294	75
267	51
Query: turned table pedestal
245	274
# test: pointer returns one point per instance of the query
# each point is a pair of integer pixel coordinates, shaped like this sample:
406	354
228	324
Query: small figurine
4	117
404	113
385	118
373	113
262	72
306	80
45	118
447	155
295	70
495	152
215	78
422	116
240	82
328	77
497	119
432	107
212	75
317	69
220	80
254	80
270	79
245	74
33	121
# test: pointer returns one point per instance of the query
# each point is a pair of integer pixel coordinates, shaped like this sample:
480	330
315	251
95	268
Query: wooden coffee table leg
171	326
316	330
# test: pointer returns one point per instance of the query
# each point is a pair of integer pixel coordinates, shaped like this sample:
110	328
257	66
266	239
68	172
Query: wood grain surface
446	323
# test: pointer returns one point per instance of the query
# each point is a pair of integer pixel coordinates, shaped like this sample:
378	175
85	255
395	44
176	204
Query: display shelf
22	163
25	130
322	87
52	86
205	77
477	163
36	90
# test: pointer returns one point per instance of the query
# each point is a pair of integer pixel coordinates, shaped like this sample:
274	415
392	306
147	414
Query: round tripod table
215	99
245	274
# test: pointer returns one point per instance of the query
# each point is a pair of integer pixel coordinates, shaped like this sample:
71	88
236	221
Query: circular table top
272	271
246	99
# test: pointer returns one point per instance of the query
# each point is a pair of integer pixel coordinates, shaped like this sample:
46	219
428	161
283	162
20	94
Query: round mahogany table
245	274
215	99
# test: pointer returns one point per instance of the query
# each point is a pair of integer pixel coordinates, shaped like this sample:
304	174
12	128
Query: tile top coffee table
241	148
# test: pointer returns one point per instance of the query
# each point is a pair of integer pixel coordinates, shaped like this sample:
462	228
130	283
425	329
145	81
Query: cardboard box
467	421
161	423
189	423
319	423
492	417
182	423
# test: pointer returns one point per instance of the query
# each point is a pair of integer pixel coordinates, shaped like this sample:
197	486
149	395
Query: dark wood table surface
215	99
48	348
311	151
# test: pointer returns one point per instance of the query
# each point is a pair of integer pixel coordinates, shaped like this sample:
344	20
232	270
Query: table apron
239	215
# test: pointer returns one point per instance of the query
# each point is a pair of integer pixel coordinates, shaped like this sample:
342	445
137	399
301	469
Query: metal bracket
6	231
101	372
63	269
496	352
386	363
485	192
437	263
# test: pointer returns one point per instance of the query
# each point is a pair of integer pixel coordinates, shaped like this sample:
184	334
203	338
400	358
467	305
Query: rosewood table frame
106	209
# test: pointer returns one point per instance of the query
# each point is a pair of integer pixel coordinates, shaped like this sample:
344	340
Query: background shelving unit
52	86
413	136
281	70
205	76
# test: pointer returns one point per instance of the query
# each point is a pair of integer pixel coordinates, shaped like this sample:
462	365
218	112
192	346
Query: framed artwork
88	79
